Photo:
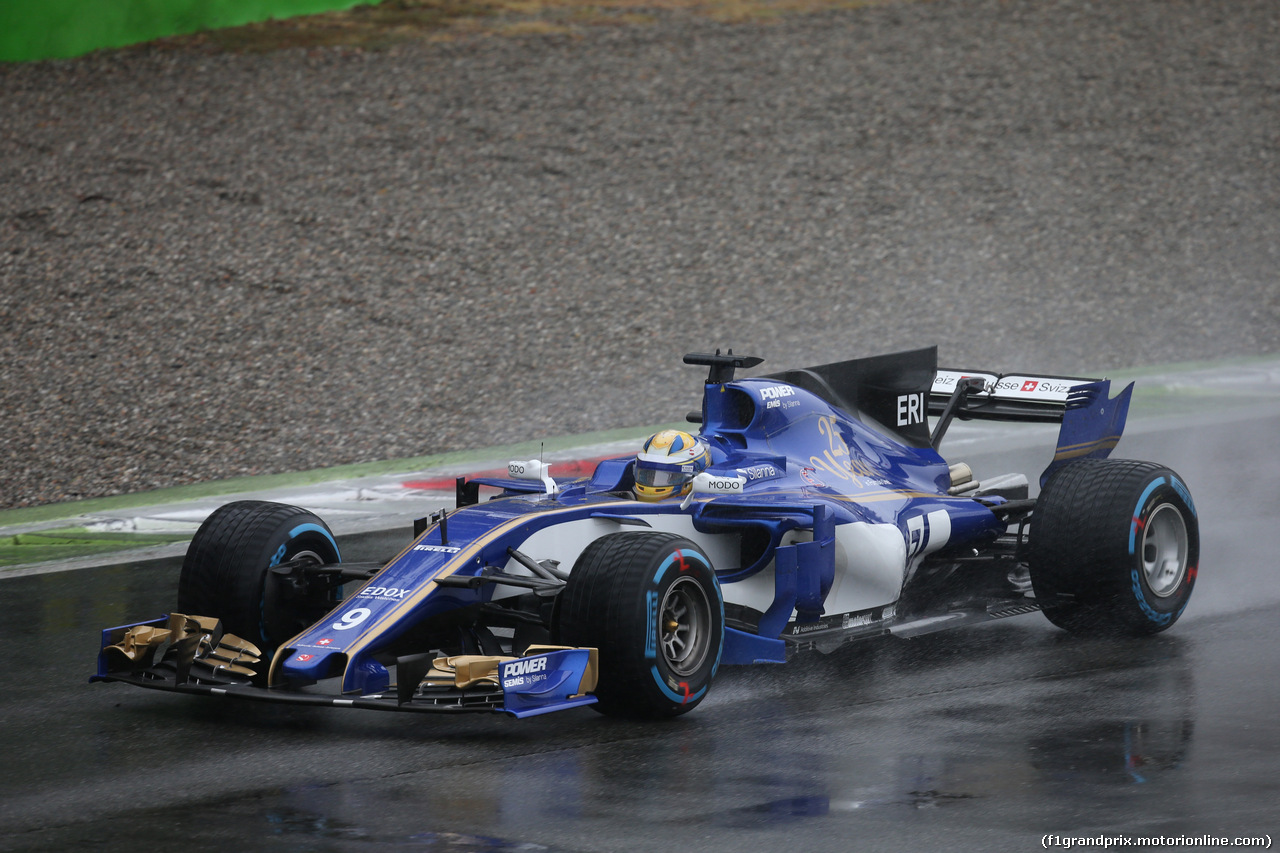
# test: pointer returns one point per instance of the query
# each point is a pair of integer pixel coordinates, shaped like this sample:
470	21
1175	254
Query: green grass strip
46	29
68	543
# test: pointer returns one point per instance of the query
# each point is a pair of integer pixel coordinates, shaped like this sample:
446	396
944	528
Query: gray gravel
218	265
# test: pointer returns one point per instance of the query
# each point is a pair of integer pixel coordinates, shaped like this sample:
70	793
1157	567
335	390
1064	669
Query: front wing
193	655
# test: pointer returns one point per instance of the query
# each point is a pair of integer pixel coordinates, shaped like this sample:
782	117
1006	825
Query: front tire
227	571
651	604
1115	547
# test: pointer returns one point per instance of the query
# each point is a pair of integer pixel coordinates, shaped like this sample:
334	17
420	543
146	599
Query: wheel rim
685	626
1164	550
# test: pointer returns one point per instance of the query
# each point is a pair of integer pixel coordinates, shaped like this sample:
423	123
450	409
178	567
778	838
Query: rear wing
1003	397
1092	421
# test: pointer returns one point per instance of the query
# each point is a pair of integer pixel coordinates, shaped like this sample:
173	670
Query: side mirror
533	470
707	483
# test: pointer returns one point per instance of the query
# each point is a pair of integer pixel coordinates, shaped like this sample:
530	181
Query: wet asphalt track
213	266
985	739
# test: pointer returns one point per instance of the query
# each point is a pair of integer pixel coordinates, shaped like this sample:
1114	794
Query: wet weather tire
227	574
651	604
1115	547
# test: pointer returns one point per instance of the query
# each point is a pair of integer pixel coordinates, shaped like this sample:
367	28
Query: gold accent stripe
860	497
277	660
449	569
1074	451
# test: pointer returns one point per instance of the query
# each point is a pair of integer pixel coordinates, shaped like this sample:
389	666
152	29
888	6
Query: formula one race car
810	509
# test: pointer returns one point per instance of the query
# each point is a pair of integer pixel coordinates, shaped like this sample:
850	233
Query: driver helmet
667	464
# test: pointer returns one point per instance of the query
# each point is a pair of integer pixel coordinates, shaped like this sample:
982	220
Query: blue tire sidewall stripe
671	558
1184	493
315	528
1135	575
696	556
1137	510
671	694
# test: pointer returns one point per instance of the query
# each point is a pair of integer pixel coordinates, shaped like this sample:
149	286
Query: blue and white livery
814	508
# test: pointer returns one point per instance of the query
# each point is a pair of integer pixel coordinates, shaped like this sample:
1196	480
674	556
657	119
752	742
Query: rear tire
651	604
1114	548
227	574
